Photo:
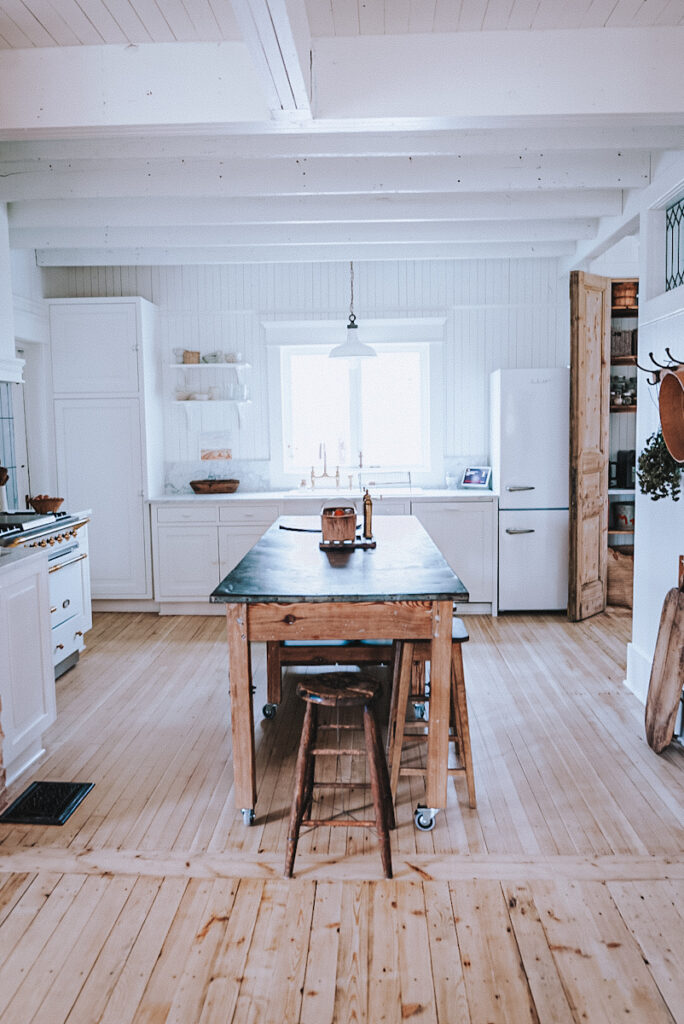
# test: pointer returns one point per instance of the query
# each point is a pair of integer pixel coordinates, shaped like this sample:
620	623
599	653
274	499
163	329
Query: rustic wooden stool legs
340	690
409	684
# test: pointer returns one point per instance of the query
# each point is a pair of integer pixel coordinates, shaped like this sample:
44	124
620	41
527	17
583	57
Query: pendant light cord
352	318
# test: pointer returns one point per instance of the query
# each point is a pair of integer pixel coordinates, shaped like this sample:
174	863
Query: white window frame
424	335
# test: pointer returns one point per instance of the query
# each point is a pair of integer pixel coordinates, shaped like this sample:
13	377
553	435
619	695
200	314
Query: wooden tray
214	486
347	545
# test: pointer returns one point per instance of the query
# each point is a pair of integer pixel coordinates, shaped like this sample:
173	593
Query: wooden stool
340	690
409	685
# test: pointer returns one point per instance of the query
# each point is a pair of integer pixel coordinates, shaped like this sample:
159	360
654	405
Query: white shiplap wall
499	313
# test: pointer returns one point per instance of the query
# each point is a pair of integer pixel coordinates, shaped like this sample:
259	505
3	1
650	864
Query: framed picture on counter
476	476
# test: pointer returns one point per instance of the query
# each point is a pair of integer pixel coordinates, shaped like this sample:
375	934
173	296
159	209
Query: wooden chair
409	686
340	690
318	652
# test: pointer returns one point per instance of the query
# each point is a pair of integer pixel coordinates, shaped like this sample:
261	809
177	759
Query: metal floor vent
46	803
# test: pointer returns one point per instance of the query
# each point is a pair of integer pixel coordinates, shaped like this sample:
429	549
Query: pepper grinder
367	516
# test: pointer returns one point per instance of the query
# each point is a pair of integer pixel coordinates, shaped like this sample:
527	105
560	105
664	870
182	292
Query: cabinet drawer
67	638
249	512
187	514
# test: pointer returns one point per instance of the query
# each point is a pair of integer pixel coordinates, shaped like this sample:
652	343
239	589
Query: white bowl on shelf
199	396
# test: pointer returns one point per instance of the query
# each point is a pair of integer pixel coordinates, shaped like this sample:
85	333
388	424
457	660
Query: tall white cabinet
108	432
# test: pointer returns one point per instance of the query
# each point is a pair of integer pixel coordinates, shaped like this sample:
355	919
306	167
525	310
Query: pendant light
351	347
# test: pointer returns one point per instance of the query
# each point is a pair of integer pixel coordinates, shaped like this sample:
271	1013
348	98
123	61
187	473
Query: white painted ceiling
25	23
157	131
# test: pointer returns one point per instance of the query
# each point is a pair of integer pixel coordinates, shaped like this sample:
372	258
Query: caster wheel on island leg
269	710
247	815
424	818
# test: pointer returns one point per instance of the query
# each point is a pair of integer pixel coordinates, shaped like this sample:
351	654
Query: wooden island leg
440	686
241	711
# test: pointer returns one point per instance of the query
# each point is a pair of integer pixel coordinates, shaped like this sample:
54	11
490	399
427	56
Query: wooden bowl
671	404
214	486
338	524
43	504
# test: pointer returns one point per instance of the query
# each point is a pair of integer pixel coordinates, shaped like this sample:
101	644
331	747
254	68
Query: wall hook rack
655	371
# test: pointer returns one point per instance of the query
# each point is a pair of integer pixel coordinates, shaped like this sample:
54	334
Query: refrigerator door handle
510	529
515	487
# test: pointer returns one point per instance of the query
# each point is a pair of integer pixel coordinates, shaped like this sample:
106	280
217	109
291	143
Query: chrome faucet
324	475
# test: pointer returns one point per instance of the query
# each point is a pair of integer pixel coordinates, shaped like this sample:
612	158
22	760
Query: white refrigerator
530	416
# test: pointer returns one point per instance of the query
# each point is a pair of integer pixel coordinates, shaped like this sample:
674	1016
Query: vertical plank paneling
498	313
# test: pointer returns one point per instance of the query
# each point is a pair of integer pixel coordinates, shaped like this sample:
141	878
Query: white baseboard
190	608
23	761
107	605
638	672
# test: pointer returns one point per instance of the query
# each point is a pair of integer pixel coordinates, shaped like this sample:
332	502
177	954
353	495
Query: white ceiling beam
500	74
386	209
277	35
300	254
125	177
210	236
318	140
80	87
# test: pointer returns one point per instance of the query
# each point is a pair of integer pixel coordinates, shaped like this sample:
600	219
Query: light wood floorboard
559	900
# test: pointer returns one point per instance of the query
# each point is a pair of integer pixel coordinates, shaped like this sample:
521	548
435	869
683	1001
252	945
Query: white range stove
65	539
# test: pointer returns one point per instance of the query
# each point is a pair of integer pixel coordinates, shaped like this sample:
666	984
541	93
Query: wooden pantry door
589	420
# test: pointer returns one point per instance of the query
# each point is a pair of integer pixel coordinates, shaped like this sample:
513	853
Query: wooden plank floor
559	899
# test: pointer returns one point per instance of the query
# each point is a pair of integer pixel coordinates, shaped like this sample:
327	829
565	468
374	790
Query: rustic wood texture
559	899
667	673
589	444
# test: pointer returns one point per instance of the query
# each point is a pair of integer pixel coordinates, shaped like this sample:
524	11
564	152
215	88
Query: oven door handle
56	568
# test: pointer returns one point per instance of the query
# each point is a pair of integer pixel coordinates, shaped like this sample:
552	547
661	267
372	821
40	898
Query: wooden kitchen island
286	588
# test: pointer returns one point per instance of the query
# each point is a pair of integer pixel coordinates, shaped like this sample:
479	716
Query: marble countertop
415	493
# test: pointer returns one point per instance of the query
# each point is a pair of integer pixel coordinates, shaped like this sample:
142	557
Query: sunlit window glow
376	406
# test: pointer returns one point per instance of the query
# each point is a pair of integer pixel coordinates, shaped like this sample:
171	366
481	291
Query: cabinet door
94	348
464	533
99	467
235	542
27	682
187	561
589	443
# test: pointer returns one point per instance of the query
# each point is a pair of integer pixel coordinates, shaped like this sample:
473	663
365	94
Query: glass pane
394	424
316	406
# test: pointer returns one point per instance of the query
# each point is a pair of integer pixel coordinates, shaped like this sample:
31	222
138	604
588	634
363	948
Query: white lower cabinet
240	529
195	546
27	680
186	562
465	533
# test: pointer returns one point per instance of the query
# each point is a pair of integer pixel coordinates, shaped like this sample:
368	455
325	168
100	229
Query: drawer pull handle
79	632
511	530
289	619
73	561
520	487
53	610
59	647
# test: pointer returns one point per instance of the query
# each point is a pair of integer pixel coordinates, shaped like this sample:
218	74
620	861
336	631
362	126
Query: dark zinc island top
287	565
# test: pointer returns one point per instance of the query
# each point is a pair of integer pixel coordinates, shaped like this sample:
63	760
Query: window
380	407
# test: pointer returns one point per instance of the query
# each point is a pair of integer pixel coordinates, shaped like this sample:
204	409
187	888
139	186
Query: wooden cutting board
667	673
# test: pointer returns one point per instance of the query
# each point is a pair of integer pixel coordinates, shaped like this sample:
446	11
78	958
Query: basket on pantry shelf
620	576
625	294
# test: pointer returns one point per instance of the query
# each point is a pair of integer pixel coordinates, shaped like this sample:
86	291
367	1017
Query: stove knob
42	543
51	541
